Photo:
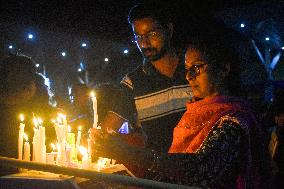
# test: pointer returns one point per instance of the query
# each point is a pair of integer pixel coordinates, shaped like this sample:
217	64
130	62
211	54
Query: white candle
35	144
42	146
95	109
78	137
21	137
27	149
86	161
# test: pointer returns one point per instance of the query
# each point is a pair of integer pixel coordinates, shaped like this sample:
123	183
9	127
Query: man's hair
158	11
16	73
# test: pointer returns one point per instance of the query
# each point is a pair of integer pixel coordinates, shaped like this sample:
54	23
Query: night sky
62	25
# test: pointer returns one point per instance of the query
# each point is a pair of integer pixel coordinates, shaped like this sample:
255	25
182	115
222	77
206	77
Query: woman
216	143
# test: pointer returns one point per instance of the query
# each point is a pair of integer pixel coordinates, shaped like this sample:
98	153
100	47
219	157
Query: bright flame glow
21	117
106	59
69	129
83	150
35	120
59	120
92	94
39	121
53	146
79	128
26	137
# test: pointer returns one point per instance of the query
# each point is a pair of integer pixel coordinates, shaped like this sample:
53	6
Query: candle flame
39	120
26	137
79	128
83	150
21	117
69	129
53	146
35	120
59	120
58	147
92	94
62	116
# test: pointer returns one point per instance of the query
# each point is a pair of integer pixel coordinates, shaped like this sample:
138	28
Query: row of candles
67	147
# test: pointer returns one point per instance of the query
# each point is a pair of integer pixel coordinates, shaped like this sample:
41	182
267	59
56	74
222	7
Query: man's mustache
145	50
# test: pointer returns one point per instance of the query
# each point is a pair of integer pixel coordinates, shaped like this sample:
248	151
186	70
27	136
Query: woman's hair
218	50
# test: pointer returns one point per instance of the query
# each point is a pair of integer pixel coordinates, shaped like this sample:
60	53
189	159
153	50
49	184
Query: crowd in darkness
189	120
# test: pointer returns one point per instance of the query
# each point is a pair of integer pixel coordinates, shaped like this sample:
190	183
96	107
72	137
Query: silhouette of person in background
22	90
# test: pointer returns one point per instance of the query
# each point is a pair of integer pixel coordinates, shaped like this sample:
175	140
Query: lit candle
63	121
27	149
21	137
53	147
78	137
94	100
42	146
50	157
71	144
101	164
85	157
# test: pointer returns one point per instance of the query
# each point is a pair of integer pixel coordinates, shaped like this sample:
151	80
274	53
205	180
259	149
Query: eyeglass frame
152	35
194	67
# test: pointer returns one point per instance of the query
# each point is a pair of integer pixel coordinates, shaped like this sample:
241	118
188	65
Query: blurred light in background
106	59
63	53
30	36
125	51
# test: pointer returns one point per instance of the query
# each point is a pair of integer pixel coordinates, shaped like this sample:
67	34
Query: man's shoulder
130	78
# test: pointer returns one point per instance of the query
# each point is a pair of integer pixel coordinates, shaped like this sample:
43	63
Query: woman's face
198	74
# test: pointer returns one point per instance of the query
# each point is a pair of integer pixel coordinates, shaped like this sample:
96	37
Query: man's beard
155	54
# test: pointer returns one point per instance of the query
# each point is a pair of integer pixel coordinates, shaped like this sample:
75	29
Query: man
156	92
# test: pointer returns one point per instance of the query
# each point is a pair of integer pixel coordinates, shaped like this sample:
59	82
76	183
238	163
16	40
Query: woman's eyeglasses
194	70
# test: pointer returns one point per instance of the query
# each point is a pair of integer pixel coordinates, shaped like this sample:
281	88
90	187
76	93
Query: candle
42	146
27	149
85	157
101	164
78	137
94	100
53	147
64	122
71	144
21	137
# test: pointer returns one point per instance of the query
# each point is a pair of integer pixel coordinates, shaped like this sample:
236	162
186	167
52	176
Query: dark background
63	25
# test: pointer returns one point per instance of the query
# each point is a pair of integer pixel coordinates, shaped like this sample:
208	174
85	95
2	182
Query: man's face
151	38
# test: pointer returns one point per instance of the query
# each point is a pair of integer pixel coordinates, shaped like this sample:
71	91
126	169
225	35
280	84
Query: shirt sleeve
125	106
215	164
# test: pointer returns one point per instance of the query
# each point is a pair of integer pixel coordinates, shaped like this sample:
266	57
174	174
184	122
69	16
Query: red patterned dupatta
199	120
